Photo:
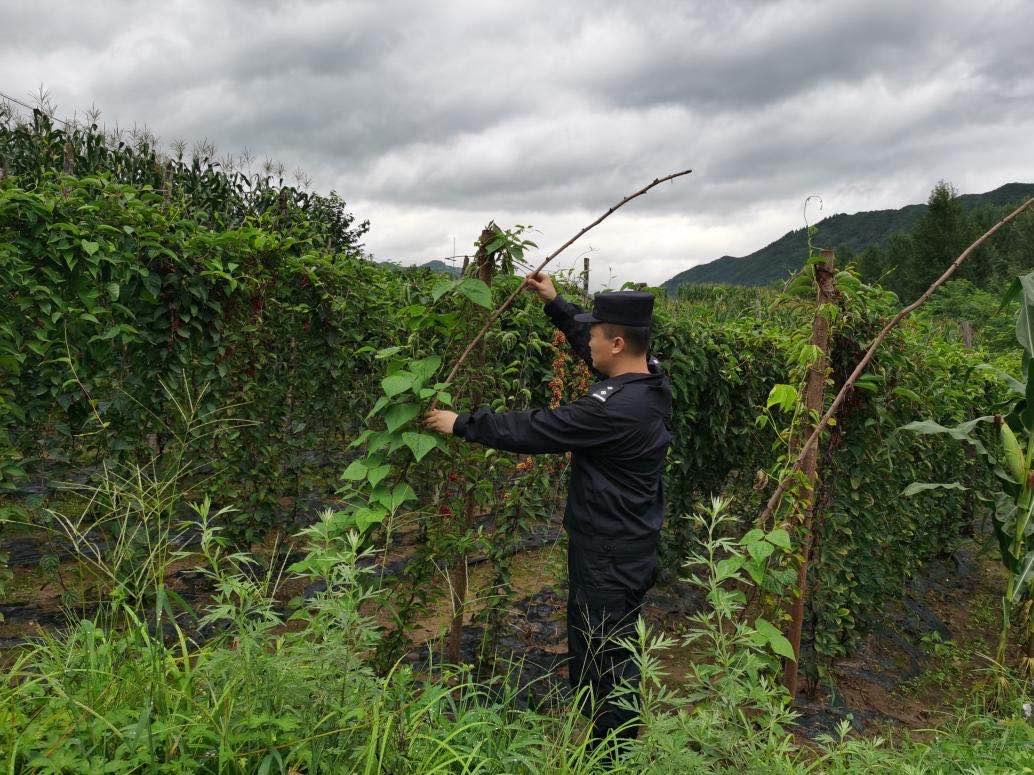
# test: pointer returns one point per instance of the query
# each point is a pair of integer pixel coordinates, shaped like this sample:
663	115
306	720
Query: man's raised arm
562	313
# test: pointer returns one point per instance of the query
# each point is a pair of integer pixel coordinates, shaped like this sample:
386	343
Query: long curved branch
773	502
506	304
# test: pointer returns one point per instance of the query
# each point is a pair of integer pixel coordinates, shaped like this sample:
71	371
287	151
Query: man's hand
440	420
542	285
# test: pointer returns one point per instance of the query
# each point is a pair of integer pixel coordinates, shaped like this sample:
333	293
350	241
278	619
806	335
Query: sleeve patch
603	393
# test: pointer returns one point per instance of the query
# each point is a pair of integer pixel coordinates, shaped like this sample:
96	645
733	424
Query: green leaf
445	398
1014	384
866	384
113	291
756	569
475	290
387	352
1024	576
365	517
359	440
911	395
752	535
727	568
402	494
1012	293
356	470
399	415
399	495
397	383
382	402
783	396
780	645
780	538
442	288
495	244
378	440
1025	321
425	367
1027	415
89	247
960	432
918	487
419	443
376	475
760	550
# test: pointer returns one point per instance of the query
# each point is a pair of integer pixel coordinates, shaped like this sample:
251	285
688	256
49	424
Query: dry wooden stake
814	387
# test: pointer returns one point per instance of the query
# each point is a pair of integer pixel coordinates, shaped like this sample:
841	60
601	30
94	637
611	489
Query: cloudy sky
431	118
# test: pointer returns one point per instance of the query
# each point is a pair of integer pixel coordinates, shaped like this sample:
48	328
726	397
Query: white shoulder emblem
603	393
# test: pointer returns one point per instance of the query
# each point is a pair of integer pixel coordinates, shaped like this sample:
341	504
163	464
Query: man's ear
617	345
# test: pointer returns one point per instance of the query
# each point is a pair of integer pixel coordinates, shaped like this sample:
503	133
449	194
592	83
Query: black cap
624	308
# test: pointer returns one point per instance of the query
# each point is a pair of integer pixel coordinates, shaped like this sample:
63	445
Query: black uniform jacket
618	435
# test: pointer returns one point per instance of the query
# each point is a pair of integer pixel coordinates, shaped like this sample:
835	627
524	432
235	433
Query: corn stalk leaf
1017	387
1025	321
1025	576
960	432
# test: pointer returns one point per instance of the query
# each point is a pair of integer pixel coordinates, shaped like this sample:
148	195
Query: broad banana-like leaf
960	432
1004	526
1017	387
1025	321
1012	293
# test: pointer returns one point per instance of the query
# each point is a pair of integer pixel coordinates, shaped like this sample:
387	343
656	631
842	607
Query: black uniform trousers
608	581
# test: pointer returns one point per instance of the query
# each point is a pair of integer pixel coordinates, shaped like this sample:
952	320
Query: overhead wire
25	105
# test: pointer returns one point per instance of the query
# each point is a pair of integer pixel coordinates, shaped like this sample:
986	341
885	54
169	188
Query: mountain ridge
856	231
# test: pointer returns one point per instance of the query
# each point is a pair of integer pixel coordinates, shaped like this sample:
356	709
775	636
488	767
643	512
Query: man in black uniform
618	435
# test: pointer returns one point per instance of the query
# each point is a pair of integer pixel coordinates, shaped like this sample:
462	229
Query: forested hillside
847	234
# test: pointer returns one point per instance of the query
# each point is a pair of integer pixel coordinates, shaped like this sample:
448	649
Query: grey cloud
748	60
560	109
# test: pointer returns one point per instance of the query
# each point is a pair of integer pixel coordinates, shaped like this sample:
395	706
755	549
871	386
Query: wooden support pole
814	391
167	183
966	330
484	262
68	166
585	276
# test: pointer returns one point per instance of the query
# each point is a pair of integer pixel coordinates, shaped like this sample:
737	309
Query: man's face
600	348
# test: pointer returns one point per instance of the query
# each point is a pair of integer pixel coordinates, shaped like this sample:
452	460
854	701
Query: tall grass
268	689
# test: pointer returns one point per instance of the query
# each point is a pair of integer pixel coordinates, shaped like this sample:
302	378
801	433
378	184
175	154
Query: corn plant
1011	459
